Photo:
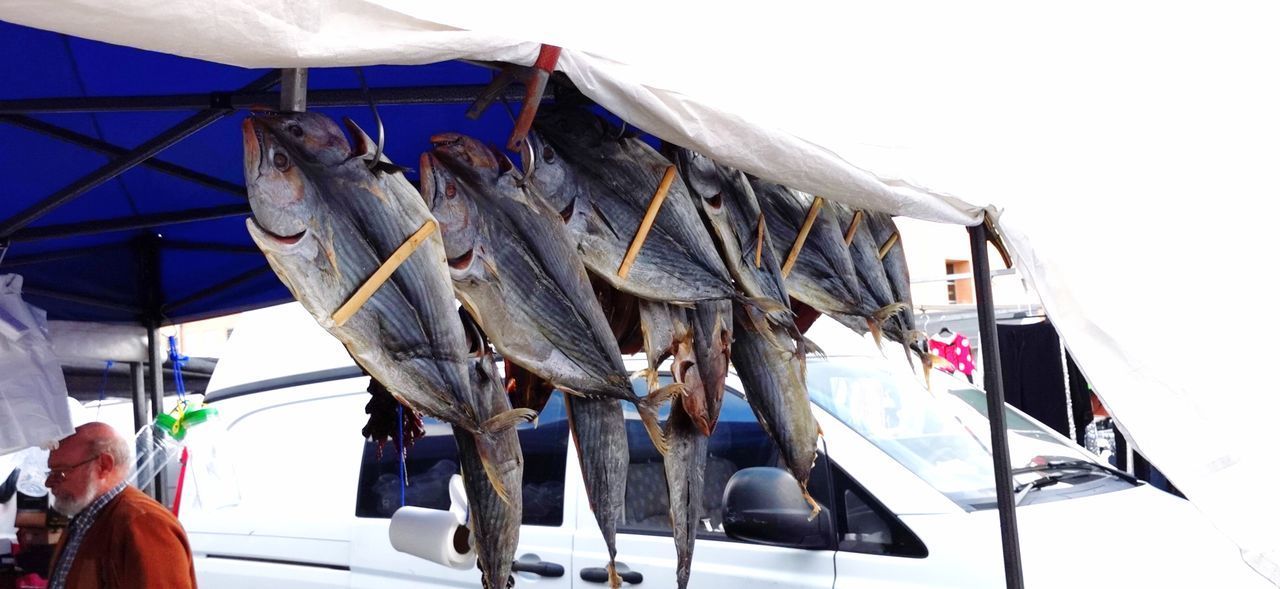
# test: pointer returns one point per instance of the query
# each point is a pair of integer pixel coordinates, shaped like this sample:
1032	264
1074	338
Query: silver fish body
865	253
823	276
602	182
516	272
686	466
494	516
600	435
326	223
773	379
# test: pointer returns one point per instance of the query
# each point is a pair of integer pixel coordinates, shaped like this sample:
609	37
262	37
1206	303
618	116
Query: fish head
554	182
282	154
704	180
455	209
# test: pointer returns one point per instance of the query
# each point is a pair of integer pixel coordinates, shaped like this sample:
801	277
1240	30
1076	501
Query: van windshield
937	435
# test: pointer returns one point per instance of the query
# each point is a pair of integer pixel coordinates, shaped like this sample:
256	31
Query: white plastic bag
33	393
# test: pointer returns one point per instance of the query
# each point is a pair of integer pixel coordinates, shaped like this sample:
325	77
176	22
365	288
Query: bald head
86	464
101	438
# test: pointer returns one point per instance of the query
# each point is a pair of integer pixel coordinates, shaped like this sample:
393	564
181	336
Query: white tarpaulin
1129	149
33	394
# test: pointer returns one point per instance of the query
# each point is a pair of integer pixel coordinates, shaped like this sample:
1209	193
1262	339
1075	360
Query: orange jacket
134	543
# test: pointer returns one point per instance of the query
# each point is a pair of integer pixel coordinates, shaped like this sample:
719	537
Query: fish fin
812	347
491	473
507	420
603	219
365	148
648	408
876	332
615	581
817	508
884	313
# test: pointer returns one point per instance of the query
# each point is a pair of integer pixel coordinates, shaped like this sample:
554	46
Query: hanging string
400	443
179	361
102	387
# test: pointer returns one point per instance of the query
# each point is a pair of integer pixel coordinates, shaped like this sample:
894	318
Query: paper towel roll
433	535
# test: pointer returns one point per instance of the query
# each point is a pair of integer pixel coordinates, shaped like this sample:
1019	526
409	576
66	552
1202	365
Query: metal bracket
293	89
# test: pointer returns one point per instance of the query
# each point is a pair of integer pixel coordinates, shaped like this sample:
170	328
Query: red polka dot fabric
956	352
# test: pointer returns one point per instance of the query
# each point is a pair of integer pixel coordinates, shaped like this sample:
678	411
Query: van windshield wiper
1070	469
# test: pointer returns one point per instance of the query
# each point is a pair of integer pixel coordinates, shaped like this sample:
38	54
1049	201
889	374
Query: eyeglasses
57	475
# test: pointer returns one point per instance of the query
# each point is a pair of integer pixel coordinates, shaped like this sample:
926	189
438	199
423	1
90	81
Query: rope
179	361
102	387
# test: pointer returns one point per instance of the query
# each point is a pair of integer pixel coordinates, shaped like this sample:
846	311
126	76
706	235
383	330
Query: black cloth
1081	404
1031	359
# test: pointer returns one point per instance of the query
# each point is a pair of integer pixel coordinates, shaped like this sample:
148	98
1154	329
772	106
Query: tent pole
234	281
111	150
126	162
993	383
128	223
247	99
139	396
154	351
293	90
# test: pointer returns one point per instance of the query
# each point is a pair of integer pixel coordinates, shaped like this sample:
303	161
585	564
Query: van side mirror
763	505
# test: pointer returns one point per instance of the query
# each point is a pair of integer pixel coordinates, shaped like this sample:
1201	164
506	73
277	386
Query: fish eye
296	130
548	154
716	200
450	190
281	161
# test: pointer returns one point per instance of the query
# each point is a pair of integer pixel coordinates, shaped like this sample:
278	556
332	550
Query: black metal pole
992	377
126	162
139	396
154	353
455	94
128	223
112	150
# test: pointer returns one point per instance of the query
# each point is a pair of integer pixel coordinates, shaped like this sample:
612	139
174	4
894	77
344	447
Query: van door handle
601	575
542	567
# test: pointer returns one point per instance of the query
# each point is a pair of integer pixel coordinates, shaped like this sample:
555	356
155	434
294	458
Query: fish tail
884	313
817	508
648	409
491	473
615	581
876	332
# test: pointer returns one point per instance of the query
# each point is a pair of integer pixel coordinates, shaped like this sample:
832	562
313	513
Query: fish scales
686	467
325	222
494	520
602	184
774	382
600	435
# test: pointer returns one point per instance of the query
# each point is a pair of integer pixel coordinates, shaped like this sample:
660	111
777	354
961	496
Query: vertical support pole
293	89
153	300
139	396
993	382
155	353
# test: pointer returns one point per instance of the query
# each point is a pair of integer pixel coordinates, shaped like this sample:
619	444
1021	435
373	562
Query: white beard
75	505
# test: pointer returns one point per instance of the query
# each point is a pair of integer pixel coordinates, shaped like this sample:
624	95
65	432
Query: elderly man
118	537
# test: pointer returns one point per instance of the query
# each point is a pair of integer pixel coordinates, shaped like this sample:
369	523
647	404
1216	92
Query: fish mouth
285	240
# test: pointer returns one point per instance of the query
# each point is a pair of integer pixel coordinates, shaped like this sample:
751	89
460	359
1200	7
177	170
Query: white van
905	475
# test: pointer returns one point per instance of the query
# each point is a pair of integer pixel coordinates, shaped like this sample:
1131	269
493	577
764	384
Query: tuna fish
600	435
494	517
326	223
774	382
865	253
823	276
686	467
882	228
602	182
515	271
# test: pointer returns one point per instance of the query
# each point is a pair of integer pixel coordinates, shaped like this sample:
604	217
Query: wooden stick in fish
759	238
383	272
888	244
853	228
647	222
803	235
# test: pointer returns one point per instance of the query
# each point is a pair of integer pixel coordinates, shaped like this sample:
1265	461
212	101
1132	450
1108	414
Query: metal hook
528	162
382	136
622	132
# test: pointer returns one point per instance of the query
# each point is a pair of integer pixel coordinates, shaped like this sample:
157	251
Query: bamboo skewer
853	228
647	222
759	238
888	244
383	272
803	235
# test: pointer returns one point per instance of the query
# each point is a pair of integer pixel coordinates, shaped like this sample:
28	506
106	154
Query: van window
867	526
738	442
432	460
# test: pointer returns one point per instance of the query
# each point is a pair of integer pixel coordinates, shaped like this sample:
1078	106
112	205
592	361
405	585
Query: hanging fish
325	223
494	516
602	182
865	253
516	273
894	260
823	275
